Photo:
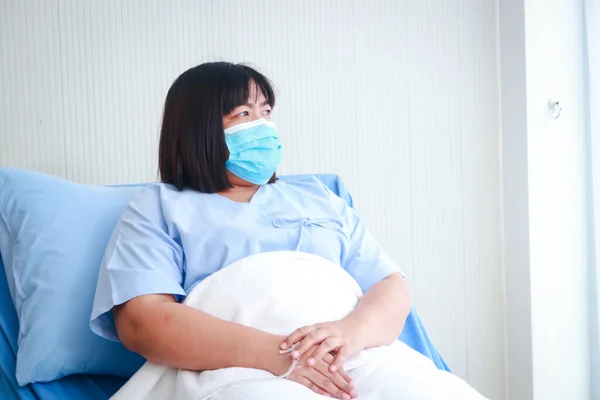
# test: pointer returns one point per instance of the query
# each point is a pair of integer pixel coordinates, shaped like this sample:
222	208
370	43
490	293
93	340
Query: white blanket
278	292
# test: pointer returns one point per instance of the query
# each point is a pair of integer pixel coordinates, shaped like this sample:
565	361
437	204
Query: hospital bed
96	387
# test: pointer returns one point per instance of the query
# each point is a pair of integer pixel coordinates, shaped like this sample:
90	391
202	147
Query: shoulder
161	195
304	185
155	211
311	189
155	192
155	202
150	197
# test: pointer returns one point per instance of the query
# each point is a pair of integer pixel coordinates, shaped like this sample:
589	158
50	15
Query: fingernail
333	368
295	353
353	393
311	361
283	345
351	383
345	396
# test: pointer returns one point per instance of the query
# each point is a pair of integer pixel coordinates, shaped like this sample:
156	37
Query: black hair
192	150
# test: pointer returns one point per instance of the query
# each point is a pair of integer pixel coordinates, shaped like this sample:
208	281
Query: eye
243	114
267	112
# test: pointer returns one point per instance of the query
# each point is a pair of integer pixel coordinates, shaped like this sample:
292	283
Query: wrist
358	329
270	359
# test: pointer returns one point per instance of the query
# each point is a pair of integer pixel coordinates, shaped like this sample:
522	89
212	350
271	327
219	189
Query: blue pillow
53	234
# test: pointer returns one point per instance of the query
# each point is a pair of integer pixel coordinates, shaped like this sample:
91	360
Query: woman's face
255	108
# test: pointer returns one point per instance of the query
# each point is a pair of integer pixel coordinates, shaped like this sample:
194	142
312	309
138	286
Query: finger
328	345
308	358
340	358
306	382
296	336
342	372
326	384
342	382
312	339
329	358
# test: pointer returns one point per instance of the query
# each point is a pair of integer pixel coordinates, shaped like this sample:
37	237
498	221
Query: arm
377	320
380	315
166	332
382	311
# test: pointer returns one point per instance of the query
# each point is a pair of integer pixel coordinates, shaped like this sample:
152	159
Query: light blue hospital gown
168	241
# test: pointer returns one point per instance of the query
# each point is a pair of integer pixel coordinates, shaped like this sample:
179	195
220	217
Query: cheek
227	123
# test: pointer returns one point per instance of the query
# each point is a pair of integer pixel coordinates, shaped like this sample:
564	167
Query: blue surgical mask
254	150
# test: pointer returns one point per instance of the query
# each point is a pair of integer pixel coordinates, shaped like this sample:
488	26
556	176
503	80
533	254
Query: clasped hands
321	350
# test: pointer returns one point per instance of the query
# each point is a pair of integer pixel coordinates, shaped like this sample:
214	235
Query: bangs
235	87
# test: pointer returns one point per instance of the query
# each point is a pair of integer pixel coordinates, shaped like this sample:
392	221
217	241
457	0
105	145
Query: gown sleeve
364	258
141	258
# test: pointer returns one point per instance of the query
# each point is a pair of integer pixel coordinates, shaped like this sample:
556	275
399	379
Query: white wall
592	59
558	200
398	97
546	198
515	196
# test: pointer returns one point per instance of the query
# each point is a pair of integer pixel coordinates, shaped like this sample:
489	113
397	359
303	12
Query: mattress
73	387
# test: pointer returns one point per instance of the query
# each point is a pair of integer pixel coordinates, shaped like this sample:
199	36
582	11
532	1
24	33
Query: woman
219	202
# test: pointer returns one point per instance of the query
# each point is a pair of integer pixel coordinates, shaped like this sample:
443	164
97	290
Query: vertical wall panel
558	194
398	97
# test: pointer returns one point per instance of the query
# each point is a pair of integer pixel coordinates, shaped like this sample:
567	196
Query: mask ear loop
284	376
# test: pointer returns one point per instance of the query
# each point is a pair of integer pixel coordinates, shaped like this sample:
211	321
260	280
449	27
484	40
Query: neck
240	184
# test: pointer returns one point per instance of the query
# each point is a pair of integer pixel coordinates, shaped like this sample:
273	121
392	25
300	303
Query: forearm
186	338
382	311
